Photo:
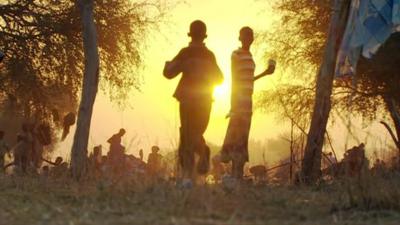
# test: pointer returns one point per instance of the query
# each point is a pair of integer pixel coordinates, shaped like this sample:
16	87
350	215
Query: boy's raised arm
174	67
269	71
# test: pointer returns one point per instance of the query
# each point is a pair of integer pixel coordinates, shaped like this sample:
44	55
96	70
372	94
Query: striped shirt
243	68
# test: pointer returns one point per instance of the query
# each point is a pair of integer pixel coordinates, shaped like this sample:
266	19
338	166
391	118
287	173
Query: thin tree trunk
311	166
89	90
395	115
394	138
291	153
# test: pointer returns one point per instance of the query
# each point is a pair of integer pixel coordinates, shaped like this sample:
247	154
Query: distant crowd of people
354	163
28	150
27	157
119	162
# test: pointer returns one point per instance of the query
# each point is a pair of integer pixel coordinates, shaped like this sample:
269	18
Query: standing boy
200	74
235	147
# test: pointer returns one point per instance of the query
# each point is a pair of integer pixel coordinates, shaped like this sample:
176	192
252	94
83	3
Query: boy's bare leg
186	158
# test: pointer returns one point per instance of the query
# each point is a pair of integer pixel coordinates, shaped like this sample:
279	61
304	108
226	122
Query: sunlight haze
153	116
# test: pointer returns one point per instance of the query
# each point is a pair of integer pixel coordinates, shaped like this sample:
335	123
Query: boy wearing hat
200	74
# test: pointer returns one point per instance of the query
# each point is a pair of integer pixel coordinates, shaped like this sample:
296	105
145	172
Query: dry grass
39	200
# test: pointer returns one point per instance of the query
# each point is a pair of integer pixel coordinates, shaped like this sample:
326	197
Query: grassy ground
39	200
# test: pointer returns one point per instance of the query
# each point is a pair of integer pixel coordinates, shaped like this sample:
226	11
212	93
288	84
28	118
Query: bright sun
222	92
222	49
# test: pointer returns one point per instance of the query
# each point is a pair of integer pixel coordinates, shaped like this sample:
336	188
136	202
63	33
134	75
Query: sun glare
222	92
222	49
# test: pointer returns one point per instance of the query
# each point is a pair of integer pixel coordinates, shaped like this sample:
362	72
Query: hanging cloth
370	24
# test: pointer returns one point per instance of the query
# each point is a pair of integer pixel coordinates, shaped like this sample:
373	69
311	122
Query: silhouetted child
60	167
235	147
116	147
200	74
154	162
95	157
24	148
116	153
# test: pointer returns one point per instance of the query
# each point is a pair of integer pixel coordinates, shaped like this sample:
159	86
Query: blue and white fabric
370	24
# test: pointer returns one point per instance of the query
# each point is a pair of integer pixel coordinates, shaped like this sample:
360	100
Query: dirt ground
41	200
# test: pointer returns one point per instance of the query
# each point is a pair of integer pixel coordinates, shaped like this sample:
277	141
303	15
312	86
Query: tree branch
396	141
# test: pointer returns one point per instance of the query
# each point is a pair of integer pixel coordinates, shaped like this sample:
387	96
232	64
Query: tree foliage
42	40
298	42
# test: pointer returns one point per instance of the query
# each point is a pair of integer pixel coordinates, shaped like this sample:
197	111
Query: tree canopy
42	72
304	24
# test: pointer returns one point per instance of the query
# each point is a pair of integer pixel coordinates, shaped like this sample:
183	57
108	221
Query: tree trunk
89	90
395	115
311	166
392	135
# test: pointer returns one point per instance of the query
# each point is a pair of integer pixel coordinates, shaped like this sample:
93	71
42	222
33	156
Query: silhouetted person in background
95	159
24	148
235	147
115	141
116	153
60	168
154	162
200	74
4	149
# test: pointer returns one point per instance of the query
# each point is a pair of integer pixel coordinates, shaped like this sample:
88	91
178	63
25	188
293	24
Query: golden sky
153	116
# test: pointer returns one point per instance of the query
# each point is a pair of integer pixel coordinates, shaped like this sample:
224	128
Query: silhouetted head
246	36
198	30
97	150
155	149
122	131
1	134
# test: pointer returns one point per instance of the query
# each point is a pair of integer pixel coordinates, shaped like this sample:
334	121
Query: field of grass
43	200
